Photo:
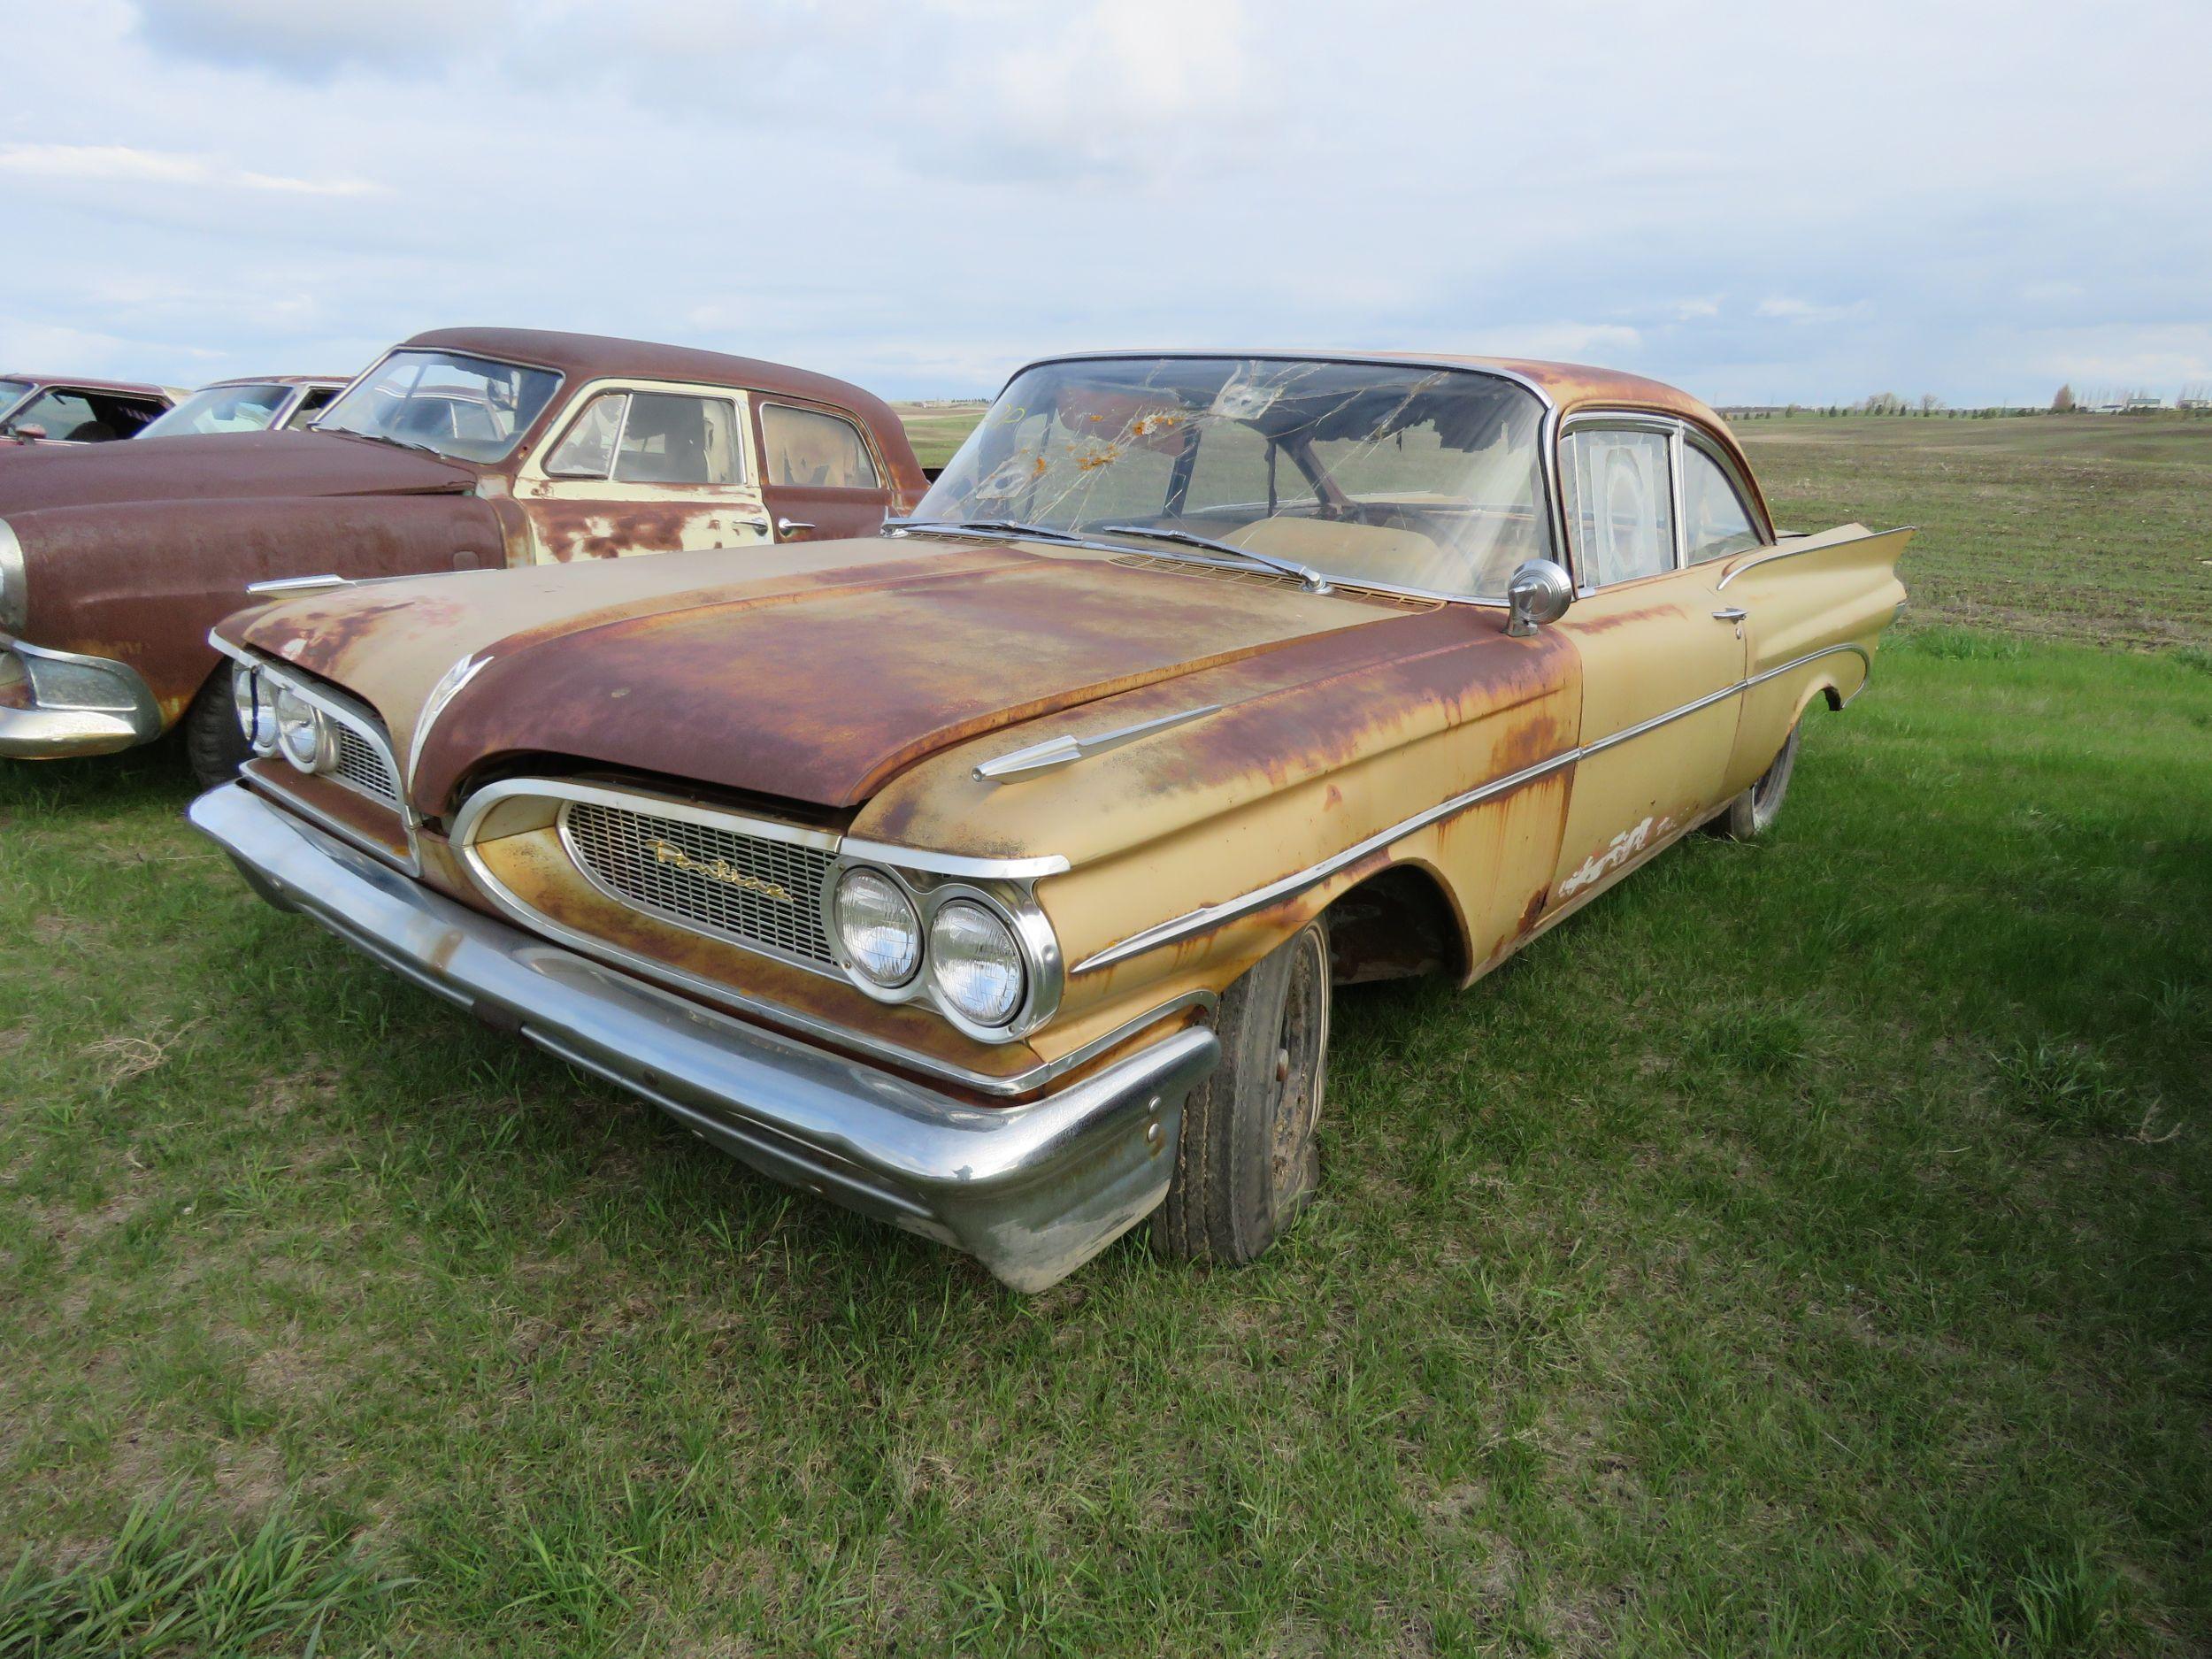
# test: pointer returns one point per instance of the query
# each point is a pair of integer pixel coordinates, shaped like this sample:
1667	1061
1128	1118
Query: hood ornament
1065	752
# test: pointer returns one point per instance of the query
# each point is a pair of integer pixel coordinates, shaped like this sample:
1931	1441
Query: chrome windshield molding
296	585
1497	372
1211	916
1767	555
1056	752
13	597
859	850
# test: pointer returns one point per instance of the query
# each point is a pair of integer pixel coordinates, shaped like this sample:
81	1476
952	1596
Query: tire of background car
1246	1160
1752	813
213	741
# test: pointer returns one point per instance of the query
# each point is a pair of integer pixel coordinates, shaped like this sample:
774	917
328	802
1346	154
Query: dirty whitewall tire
212	743
1246	1160
1752	814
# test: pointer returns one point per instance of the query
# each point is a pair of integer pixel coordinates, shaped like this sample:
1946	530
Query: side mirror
28	435
1540	592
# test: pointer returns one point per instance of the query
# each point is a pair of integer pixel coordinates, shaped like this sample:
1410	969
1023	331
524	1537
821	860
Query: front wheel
1752	813
1247	1162
212	741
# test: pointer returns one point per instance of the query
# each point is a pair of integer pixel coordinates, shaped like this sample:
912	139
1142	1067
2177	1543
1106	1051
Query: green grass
1804	1251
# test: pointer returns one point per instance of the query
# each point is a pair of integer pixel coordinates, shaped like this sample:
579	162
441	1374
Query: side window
669	439
589	444
316	398
1620	503
62	414
807	448
1713	520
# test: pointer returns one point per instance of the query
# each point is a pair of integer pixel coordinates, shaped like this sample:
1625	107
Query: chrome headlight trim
14	600
297	717
1011	900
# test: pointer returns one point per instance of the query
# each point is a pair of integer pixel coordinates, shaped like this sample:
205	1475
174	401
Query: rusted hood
221	466
806	673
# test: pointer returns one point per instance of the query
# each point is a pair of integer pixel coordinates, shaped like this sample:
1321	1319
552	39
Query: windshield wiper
1311	579
986	526
385	437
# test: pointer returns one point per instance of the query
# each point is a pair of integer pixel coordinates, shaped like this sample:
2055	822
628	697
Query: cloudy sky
1761	201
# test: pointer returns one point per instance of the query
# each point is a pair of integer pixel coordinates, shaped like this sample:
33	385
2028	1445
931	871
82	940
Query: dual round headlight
975	964
304	734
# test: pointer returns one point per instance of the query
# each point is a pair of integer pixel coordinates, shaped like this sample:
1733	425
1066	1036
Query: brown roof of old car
89	382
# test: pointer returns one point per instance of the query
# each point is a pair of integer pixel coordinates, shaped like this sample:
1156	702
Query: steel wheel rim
1298	1077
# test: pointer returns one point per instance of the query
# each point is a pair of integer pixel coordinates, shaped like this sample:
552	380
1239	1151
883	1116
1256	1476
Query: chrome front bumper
82	705
1032	1190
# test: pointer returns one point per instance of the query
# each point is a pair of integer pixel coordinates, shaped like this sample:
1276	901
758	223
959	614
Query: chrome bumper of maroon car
79	705
1032	1190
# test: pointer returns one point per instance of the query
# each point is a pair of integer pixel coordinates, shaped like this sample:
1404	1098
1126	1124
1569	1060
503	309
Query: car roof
592	357
91	383
280	380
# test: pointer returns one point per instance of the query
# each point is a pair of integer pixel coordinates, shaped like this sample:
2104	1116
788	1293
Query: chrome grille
363	765
754	890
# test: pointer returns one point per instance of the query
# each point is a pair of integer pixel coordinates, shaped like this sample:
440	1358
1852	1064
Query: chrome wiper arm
1311	579
983	526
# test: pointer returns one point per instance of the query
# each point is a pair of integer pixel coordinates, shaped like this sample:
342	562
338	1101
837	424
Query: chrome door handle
750	524
1731	613
785	526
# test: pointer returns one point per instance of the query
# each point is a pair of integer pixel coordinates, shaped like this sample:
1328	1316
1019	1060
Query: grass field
1802	1251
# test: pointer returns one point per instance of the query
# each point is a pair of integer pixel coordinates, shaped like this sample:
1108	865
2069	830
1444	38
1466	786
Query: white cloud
121	163
1785	309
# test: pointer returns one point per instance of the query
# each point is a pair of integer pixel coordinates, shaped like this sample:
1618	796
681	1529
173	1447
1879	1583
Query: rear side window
652	438
1715	521
809	450
1620	503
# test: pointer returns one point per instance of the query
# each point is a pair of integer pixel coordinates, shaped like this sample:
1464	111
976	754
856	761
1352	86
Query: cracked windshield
1406	477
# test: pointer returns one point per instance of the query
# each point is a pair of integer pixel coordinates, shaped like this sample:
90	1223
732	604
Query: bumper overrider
1032	1190
56	705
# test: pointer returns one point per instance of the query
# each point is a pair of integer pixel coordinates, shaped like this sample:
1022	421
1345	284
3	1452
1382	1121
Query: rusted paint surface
133	552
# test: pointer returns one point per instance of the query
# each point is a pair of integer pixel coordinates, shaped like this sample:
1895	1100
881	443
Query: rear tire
1752	814
1246	1162
213	741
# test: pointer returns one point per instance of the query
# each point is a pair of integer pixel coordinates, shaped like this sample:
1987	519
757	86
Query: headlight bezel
847	957
324	756
1011	903
256	709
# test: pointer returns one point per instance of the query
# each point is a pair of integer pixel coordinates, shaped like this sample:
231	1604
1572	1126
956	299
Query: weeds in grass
2065	1086
2196	657
2068	1607
164	1587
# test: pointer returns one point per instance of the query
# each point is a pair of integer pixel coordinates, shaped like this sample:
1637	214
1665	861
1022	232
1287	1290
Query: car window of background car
807	448
668	439
220	409
317	398
1713	515
64	416
1620	503
473	409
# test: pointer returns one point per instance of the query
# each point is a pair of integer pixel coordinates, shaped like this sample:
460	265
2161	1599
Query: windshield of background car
1407	476
473	409
220	409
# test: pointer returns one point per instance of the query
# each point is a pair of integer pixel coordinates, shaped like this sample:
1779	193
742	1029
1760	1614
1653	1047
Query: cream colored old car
991	875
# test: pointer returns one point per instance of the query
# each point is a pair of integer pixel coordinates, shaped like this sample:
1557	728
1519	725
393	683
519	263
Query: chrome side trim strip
295	585
1767	555
1210	916
1213	915
1065	750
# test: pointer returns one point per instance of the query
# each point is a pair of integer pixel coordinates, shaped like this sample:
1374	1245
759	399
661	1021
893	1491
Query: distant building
2194	404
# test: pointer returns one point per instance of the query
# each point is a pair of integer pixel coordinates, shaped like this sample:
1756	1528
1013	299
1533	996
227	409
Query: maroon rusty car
463	448
60	409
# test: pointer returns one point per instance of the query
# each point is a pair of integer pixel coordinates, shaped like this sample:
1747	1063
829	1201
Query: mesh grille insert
758	891
362	765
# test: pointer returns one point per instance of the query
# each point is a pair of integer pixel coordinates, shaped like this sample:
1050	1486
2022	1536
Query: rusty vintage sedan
462	448
991	875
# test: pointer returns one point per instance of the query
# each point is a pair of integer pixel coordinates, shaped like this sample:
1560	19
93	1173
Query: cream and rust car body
1466	788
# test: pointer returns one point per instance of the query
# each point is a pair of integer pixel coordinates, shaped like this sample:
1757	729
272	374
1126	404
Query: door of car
643	466
1662	664
820	474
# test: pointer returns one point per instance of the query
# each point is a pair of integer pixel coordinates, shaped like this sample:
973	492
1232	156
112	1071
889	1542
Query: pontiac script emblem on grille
718	870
